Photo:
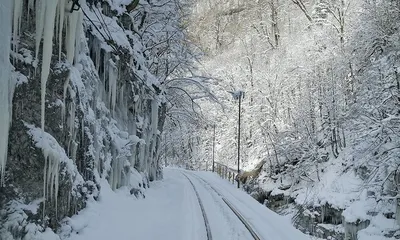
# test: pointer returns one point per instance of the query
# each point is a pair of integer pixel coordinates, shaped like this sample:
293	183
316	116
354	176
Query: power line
110	41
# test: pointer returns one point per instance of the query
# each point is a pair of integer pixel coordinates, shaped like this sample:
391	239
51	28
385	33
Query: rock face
321	219
98	115
324	221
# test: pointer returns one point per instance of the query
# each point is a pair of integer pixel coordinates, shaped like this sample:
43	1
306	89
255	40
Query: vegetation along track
229	204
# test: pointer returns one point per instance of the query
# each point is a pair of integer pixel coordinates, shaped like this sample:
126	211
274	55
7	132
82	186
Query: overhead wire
103	23
110	41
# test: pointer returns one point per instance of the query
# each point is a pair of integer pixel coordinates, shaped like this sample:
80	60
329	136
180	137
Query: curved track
203	212
227	202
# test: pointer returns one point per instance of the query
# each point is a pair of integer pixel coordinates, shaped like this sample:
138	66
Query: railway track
227	202
203	212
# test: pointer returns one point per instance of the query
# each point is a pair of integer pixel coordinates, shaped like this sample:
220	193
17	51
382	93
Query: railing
225	172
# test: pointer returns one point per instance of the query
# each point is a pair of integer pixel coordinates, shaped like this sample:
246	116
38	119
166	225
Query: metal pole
213	154
165	150
238	153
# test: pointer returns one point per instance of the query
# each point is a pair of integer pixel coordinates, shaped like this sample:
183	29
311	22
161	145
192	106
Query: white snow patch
119	5
19	78
32	207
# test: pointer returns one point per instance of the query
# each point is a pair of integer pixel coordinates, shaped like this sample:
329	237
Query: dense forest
320	117
98	93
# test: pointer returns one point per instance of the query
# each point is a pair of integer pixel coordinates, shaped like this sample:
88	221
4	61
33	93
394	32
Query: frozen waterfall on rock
5	81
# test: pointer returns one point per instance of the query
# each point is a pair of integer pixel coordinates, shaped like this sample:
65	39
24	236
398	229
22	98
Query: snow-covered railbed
223	222
267	224
171	211
206	223
233	208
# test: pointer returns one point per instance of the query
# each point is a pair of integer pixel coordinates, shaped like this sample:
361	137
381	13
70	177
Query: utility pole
238	95
213	153
238	150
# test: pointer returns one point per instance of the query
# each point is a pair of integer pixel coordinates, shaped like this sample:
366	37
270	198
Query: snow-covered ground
171	211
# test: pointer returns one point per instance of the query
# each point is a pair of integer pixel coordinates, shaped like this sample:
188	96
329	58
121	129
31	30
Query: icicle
70	46
48	32
154	116
147	148
50	177
63	107
72	146
71	123
17	23
152	136
78	35
74	29
97	50
40	13
45	154
141	156
96	147
53	182
106	65
74	150
71	35
5	77
61	12
121	103
113	176
69	200
112	83
56	184
116	174
132	157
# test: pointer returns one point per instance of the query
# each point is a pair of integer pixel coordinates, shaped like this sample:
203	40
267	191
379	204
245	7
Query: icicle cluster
51	18
54	155
48	13
51	176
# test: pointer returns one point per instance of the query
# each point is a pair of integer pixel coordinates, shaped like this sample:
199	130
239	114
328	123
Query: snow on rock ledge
55	152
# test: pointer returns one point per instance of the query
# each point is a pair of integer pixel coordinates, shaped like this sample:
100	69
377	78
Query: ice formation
112	81
39	21
72	146
54	155
48	32
17	22
53	20
51	176
50	14
61	15
154	132
73	21
5	78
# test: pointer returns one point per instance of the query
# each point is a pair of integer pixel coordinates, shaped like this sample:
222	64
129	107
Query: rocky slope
88	105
